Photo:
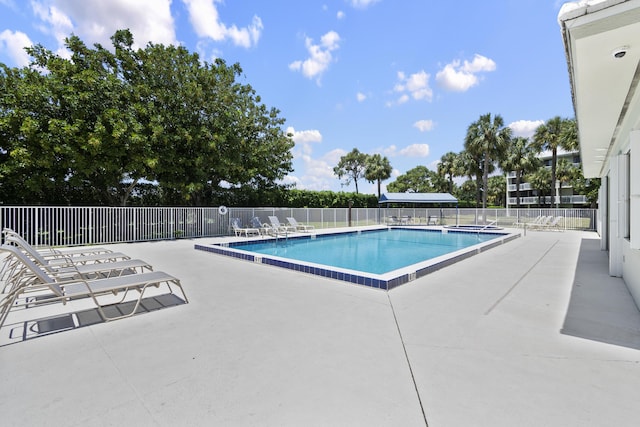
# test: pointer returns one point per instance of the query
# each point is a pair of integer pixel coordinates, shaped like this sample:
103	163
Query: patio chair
278	227
299	227
51	257
541	223
433	220
55	260
48	251
68	270
238	229
262	228
392	220
529	223
552	224
48	290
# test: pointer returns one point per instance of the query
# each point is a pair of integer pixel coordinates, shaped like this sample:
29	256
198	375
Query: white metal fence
61	226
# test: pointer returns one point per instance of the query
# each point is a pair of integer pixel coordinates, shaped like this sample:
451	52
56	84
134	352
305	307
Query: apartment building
531	197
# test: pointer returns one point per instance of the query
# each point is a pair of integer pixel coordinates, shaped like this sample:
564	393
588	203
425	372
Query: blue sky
403	78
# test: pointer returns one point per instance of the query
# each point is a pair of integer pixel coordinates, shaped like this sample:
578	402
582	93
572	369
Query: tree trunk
518	189
127	192
554	190
485	180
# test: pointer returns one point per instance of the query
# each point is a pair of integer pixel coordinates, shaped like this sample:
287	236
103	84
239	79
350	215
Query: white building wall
615	241
631	256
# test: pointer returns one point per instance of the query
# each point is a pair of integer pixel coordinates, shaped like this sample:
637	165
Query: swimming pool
381	258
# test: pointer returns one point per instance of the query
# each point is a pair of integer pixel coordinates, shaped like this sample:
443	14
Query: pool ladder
491	223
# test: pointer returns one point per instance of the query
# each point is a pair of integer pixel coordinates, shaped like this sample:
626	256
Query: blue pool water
377	252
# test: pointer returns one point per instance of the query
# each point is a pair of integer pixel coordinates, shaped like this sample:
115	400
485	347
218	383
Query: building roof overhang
604	81
427	198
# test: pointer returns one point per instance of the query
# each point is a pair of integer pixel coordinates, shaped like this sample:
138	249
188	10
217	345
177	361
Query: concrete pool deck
530	333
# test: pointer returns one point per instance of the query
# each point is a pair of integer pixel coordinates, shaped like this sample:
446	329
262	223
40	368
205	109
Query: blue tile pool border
385	282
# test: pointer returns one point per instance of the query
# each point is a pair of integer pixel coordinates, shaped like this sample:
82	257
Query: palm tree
566	172
556	133
378	169
497	190
470	164
487	138
520	158
449	167
540	179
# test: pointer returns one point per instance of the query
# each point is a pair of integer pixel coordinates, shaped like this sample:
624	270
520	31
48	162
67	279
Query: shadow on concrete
36	328
601	307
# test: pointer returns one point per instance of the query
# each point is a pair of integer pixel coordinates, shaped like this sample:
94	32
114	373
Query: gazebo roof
417	198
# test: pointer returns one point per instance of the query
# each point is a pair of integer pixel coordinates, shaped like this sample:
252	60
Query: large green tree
351	167
417	180
487	139
377	169
91	127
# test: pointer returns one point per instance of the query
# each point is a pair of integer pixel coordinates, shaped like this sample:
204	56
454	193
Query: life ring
222	210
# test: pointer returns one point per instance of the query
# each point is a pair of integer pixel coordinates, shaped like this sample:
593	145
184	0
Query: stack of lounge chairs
299	227
239	230
276	228
548	223
541	222
32	277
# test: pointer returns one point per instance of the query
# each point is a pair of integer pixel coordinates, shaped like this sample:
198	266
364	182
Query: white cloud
424	125
95	21
14	43
460	77
303	140
340	15
525	128
317	173
361	96
304	136
415	86
205	19
320	56
479	64
362	4
415	150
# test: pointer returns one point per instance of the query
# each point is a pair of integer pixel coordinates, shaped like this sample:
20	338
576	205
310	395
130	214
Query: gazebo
441	199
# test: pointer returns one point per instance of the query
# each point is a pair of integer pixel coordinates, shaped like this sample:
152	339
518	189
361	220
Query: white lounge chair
61	263
66	291
392	220
299	227
263	228
239	230
69	270
541	223
552	224
278	227
49	251
537	220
